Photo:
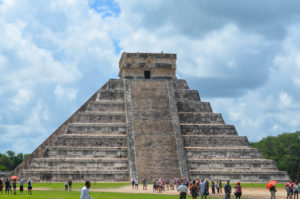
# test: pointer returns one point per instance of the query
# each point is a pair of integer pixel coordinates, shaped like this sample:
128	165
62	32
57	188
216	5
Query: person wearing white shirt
183	190
85	194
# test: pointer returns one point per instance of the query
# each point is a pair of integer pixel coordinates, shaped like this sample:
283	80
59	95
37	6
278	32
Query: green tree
284	149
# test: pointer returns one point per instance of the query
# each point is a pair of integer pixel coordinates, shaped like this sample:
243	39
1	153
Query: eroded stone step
200	118
81	163
207	129
110	95
241	152
240	175
113	128
187	95
215	140
113	84
101	117
229	164
88	152
193	106
60	175
111	140
180	84
106	105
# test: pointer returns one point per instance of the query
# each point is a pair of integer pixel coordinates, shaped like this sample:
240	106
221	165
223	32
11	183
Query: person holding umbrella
272	188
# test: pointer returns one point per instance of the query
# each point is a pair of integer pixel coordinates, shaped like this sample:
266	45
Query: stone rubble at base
134	127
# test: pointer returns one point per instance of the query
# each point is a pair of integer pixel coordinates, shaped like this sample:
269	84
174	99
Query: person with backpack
70	185
194	190
238	190
227	190
29	186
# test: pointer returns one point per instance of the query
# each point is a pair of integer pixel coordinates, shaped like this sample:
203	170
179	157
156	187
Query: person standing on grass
70	185
136	184
194	190
66	185
29	186
213	190
238	190
85	193
273	192
21	186
132	183
220	185
296	190
15	187
1	186
227	190
7	185
202	189
183	190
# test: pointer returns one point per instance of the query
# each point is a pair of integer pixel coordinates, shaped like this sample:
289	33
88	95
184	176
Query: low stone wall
4	174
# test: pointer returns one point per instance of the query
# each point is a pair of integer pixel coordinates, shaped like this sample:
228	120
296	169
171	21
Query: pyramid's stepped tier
207	129
215	140
222	153
116	84
91	140
240	175
187	95
180	84
96	128
111	94
81	163
87	152
60	175
201	118
193	106
101	117
231	164
106	105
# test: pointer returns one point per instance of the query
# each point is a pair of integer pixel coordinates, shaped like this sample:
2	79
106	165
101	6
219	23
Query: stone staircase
93	146
213	149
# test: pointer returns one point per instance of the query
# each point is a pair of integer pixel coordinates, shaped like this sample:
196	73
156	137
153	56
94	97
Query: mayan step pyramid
147	124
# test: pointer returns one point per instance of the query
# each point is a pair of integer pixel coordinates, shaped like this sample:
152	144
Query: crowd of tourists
10	186
292	190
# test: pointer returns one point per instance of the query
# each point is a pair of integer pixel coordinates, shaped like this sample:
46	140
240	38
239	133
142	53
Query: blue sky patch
106	8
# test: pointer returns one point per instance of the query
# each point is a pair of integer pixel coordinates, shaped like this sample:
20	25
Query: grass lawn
58	186
95	195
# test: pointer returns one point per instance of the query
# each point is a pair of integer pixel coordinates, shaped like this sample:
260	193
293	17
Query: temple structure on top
147	124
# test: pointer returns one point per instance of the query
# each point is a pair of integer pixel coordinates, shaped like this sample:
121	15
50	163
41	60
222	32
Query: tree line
10	160
284	149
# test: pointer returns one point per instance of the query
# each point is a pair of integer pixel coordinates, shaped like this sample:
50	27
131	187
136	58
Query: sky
242	56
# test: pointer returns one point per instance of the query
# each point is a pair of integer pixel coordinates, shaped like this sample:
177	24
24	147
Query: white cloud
22	97
62	93
245	63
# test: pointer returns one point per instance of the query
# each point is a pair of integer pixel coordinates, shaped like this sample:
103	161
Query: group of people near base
11	187
292	189
68	185
201	188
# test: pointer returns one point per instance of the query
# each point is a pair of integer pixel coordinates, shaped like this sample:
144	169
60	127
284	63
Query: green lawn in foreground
57	186
94	195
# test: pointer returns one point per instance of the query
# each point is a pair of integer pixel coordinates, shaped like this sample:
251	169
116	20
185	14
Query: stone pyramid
147	124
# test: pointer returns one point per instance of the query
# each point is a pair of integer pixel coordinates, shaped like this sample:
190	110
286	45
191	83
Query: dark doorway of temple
147	74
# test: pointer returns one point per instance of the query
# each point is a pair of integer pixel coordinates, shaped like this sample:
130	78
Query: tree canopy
10	160
284	149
